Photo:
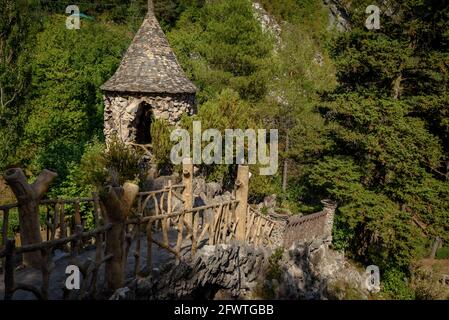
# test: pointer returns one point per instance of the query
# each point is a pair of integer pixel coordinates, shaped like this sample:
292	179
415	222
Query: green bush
427	286
266	289
161	145
442	253
274	268
100	166
395	285
122	163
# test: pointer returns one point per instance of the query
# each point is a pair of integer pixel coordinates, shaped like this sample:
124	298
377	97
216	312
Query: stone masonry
148	84
123	112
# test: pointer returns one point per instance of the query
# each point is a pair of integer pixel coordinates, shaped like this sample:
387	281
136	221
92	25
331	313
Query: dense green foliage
17	32
387	161
66	103
61	108
221	45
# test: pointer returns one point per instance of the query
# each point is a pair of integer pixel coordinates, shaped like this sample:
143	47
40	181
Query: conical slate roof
149	65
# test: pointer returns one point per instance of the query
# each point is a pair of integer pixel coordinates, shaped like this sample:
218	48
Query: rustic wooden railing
71	237
169	210
192	225
262	227
4	211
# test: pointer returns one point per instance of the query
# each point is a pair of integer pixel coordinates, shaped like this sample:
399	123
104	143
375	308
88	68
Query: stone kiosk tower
149	84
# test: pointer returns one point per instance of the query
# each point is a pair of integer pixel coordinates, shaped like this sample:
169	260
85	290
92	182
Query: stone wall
312	226
124	111
304	228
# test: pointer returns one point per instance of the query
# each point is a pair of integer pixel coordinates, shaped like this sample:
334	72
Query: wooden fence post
9	269
117	202
187	193
242	184
28	197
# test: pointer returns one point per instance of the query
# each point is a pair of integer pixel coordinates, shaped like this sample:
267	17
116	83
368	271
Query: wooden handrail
53	243
147	193
9	206
177	214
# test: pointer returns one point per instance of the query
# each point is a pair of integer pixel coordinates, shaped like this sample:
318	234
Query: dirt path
61	260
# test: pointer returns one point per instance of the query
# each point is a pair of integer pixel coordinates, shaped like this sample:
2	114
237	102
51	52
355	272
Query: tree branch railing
259	228
219	226
60	234
46	248
122	215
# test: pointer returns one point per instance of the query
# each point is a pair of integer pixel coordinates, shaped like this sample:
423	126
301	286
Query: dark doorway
144	121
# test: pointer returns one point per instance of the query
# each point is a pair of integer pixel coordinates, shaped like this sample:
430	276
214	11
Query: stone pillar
329	207
242	196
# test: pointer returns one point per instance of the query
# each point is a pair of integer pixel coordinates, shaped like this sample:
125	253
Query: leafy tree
17	32
387	165
226	111
302	70
221	45
66	107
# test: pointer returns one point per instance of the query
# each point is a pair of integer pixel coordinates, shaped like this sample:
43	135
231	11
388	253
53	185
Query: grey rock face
267	22
338	17
227	267
309	270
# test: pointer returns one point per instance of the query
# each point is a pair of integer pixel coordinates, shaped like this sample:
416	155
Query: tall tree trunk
28	197
436	245
397	87
285	167
151	6
117	202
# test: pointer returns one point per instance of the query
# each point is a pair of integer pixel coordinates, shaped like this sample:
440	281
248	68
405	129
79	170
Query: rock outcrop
311	270
308	270
267	22
229	268
338	15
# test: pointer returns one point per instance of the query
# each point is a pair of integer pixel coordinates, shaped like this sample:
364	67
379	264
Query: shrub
121	162
443	253
427	285
395	285
341	290
274	269
266	290
100	166
161	145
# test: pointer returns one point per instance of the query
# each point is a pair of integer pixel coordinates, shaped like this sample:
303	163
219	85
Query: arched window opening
144	120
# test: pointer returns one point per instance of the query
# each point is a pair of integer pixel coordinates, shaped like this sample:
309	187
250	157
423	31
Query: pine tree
388	124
